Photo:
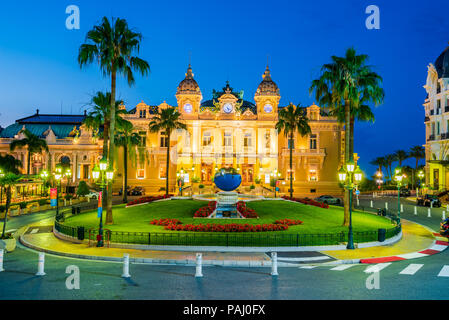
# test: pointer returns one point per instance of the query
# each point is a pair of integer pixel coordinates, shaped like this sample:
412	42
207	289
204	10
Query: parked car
138	191
93	195
329	200
404	192
427	200
128	191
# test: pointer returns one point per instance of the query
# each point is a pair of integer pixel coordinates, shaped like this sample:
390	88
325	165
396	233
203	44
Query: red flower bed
165	222
233	227
289	222
245	211
204	212
309	202
148	199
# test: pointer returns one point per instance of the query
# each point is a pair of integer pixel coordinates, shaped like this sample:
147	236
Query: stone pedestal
227	205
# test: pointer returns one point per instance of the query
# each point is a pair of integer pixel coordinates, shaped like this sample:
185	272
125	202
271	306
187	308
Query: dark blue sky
228	40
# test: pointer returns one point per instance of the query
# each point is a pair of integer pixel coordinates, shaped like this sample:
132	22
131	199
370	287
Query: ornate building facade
223	131
436	108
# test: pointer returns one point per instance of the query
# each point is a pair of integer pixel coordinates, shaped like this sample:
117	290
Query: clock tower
267	98
189	96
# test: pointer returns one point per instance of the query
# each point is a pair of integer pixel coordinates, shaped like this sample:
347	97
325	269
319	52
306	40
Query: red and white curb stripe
438	246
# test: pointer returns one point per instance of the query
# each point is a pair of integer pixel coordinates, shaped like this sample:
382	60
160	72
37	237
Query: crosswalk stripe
444	272
377	267
343	267
411	269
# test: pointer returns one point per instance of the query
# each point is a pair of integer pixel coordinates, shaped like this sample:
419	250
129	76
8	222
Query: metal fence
228	239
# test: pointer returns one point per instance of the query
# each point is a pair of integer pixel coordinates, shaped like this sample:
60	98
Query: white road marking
411	269
343	267
444	272
34	231
377	267
304	259
307	267
412	255
438	247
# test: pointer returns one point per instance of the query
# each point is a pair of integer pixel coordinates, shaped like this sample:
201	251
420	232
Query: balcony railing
304	152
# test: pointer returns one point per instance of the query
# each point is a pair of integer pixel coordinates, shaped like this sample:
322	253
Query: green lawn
316	220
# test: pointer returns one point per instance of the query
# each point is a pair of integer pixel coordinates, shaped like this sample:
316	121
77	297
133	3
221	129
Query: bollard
88	199
416	211
1	260
386	205
444	215
274	264
371	203
429	214
126	266
358	202
199	265
40	264
402	208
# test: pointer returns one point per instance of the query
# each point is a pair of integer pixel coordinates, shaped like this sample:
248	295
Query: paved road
424	278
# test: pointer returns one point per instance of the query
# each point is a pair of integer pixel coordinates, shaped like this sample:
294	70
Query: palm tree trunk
125	173
109	219
28	162
8	202
291	164
347	158
167	163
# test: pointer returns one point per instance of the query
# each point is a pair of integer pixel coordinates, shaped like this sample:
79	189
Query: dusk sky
228	40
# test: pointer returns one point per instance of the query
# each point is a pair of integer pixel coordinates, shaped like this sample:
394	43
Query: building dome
267	87
442	64
188	85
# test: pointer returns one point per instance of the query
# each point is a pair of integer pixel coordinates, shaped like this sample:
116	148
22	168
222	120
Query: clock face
188	108
268	108
228	108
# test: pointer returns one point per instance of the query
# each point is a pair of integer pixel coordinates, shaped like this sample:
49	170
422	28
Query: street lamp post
44	176
350	177
59	174
1	187
420	176
399	176
276	175
104	175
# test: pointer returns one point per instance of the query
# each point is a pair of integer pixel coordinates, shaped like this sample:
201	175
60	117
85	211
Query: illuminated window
207	139
140	173
143	138
164	140
162	172
313	175
247	140
227	140
313	142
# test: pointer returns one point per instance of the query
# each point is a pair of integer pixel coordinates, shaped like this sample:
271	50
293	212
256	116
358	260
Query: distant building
436	119
225	130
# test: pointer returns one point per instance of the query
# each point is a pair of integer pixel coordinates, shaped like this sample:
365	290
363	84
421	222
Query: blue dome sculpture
227	181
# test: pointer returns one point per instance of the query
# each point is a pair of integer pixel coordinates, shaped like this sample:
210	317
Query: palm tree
128	140
168	120
292	119
33	143
380	163
401	155
345	86
112	46
8	181
417	152
389	159
10	164
99	116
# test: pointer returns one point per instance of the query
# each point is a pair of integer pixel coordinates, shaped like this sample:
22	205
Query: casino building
223	130
436	119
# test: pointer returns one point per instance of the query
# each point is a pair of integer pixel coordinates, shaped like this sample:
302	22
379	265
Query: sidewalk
416	239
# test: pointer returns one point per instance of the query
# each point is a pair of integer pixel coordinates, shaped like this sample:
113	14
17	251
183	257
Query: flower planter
8	244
